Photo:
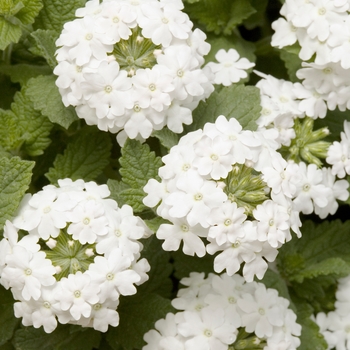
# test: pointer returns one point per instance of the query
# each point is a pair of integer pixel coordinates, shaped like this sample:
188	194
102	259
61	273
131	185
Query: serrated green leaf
61	338
154	223
13	15
323	249
10	33
84	158
8	321
10	135
220	16
45	41
21	73
46	98
15	176
116	187
236	101
34	128
138	164
137	316
166	137
56	13
133	197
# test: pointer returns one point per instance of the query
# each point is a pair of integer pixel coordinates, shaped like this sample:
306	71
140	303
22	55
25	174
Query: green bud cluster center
245	186
70	256
135	52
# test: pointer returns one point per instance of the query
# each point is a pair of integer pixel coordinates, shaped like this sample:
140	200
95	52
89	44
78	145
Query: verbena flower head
230	188
126	65
76	257
224	312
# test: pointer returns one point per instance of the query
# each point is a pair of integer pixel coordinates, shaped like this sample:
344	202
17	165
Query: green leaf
33	127
323	249
8	321
133	197
13	15
116	187
311	338
236	101
154	223
21	73
137	316
61	338
10	135
166	137
292	63
257	18
15	176
46	98
138	164
84	158
219	16
45	41
56	13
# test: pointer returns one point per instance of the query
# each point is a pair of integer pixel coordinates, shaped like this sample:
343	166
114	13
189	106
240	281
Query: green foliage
46	98
45	45
57	12
15	14
137	316
292	63
62	338
236	101
219	16
138	165
166	137
21	73
84	158
15	176
324	249
8	322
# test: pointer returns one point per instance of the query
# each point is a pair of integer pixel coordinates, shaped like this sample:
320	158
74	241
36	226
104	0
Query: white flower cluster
282	102
335	326
230	67
231	187
80	254
339	153
220	311
322	29
131	67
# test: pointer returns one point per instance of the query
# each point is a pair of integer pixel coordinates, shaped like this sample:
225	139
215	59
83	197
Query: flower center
236	244
180	73
227	222
214	157
115	19
245	187
232	300
184	228
86	221
321	11
137	108
108	89
97	306
70	256
198	197
47	305
186	167
88	36
134	53
118	233
77	294
152	87
165	20
271	222
208	333
28	271
306	187
109	276
261	311
46	210
327	70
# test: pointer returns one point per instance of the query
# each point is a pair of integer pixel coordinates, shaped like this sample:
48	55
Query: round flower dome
69	254
131	67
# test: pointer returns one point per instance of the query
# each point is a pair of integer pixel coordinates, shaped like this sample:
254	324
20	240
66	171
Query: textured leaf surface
323	249
236	101
15	176
84	158
57	12
45	41
166	137
46	98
